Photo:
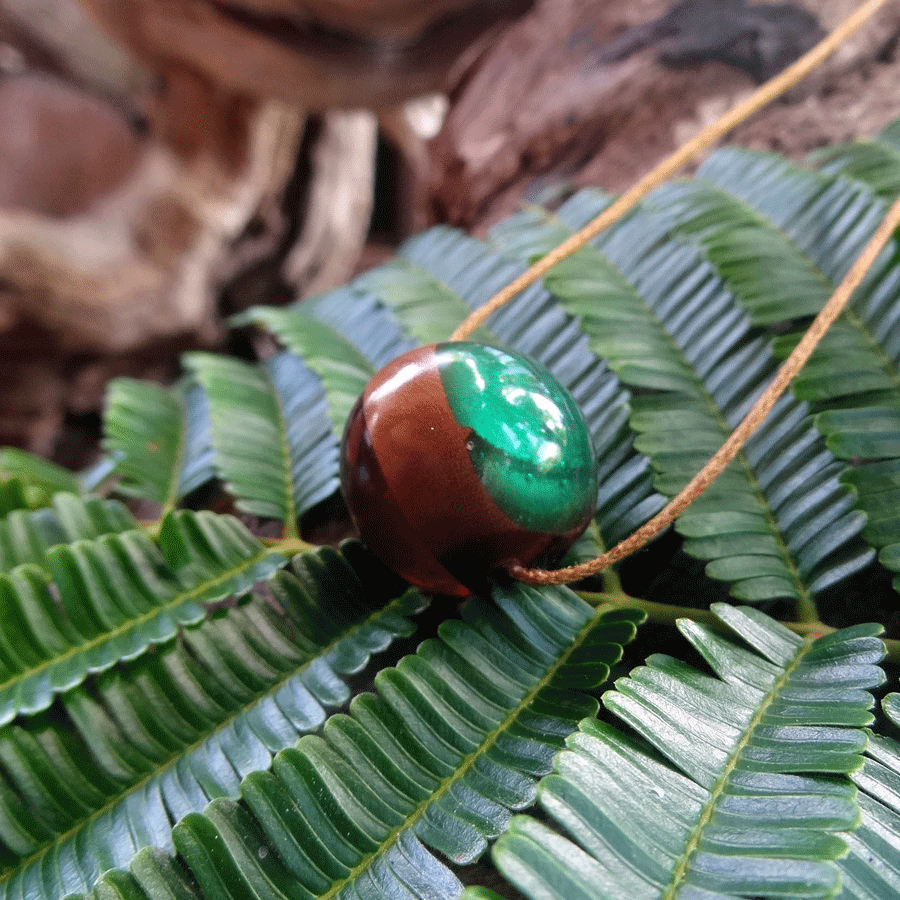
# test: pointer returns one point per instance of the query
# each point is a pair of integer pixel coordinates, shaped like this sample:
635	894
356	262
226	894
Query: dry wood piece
61	149
63	39
854	96
339	206
320	54
134	265
111	249
584	93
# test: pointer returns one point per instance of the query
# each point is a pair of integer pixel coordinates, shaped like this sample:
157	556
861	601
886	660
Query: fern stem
806	609
612	583
660	613
893	650
768	92
151	527
664	614
289	544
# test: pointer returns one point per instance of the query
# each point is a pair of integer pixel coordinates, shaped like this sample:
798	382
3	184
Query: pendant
460	459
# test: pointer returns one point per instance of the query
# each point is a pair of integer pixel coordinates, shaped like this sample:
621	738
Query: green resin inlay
530	444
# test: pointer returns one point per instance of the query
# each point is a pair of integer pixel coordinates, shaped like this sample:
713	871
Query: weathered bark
320	54
113	247
585	93
339	204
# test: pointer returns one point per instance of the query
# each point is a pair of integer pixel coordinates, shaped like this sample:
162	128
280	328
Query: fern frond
422	304
730	788
871	869
39	479
362	319
861	352
12	496
116	767
215	745
869	432
858	362
109	599
535	231
826	221
455	738
875	162
461	273
343	370
27	536
271	437
160	438
777	523
772	278
877	487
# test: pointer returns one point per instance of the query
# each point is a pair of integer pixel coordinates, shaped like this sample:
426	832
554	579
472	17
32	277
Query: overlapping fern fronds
453	741
729	788
185	709
777	523
117	765
108	600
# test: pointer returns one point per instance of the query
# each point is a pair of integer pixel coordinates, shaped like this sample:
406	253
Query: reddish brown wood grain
321	54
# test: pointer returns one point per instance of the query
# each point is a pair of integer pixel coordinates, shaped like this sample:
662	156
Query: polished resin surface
460	459
529	444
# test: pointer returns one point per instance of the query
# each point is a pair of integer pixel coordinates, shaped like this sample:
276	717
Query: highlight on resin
460	460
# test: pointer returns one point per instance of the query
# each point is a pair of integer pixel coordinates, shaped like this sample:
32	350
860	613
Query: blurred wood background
165	163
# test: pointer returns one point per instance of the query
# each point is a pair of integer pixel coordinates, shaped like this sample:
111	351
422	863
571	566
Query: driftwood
109	248
603	91
183	173
116	241
320	54
339	205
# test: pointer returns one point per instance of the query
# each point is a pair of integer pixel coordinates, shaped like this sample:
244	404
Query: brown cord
730	449
773	88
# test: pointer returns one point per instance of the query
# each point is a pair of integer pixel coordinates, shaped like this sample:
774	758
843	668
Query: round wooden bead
461	459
